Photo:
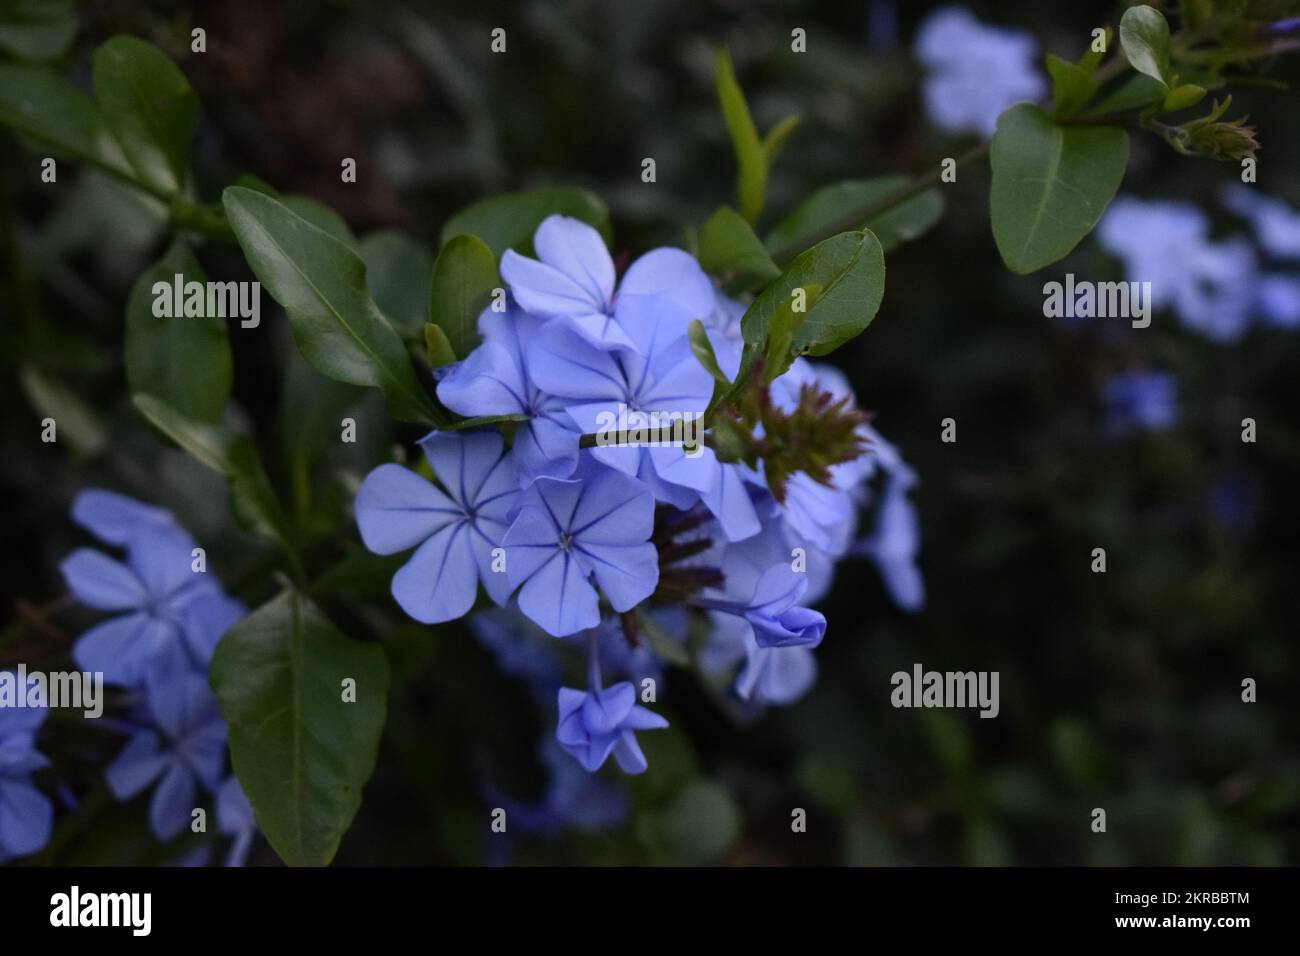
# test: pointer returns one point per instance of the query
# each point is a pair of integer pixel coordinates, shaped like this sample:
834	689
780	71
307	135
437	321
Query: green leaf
436	347
751	160
1144	35
843	281
75	422
322	217
37	29
182	360
231	453
322	285
777	137
728	246
508	221
1072	86
1135	93
1050	184
41	105
148	104
463	280
778	353
398	273
826	206
301	752
703	350
1181	97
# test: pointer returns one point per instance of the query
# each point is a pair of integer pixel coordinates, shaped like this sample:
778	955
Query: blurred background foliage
1119	691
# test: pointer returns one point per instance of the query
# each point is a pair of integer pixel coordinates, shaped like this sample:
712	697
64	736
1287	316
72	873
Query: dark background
1119	691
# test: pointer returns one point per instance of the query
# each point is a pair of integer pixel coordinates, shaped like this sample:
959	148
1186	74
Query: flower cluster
974	71
1216	287
585	543
166	615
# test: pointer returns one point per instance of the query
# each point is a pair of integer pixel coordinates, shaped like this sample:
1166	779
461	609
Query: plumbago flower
588	542
170	615
165	608
26	814
974	71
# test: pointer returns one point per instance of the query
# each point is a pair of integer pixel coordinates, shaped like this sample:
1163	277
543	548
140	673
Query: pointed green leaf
464	278
183	360
827	205
728	247
703	350
322	285
41	105
777	137
1144	35
508	221
148	104
301	751
751	160
37	29
231	453
1072	86
842	281
398	273
1050	184
436	347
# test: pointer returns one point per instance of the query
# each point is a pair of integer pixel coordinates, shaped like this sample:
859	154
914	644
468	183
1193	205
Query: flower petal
396	509
440	581
97	580
558	597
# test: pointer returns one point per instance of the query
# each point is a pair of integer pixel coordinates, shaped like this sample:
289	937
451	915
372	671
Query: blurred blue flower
26	814
1277	225
1210	285
494	379
974	71
567	532
235	820
572	800
574	281
597	722
1279	300
185	748
1140	400
169	609
456	531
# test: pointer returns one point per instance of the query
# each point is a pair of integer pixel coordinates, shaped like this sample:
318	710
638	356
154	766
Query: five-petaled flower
568	532
456	530
594	723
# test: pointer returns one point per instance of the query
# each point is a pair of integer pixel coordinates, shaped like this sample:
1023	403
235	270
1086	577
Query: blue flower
494	379
1279	300
1210	285
185	748
568	532
594	723
26	814
168	608
1140	400
1277	225
771	675
574	281
648	389
235	820
456	531
974	71
772	609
